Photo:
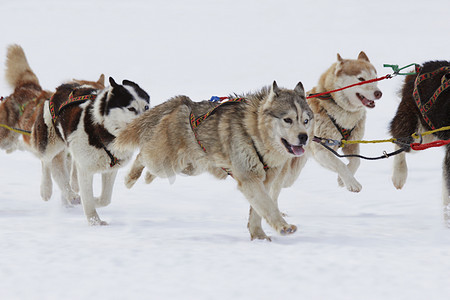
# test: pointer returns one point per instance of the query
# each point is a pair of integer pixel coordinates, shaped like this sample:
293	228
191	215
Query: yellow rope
392	140
16	130
417	136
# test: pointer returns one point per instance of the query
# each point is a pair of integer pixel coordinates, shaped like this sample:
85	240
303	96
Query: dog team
261	139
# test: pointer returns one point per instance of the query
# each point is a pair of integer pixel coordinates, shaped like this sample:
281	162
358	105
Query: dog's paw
95	221
399	179
288	229
46	192
354	186
74	200
129	182
258	234
149	177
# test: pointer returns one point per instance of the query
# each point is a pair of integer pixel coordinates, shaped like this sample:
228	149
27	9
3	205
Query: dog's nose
378	94
302	138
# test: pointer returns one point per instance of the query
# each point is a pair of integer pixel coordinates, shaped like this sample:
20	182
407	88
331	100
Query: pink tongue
298	150
368	103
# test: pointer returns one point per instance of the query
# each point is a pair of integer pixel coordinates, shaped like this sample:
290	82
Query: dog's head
289	118
351	71
120	104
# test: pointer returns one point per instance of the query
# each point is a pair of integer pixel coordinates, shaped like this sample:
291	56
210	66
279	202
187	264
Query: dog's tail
129	138
18	71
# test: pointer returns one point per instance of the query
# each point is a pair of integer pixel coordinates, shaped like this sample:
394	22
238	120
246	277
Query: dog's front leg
353	162
400	170
264	206
108	179
85	180
329	161
46	181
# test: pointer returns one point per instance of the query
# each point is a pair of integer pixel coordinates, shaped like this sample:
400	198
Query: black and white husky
84	119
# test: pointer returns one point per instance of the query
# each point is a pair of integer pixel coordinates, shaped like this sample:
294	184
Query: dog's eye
146	107
361	79
306	121
288	120
132	109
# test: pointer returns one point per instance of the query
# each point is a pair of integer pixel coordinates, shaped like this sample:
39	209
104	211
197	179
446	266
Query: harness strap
71	100
196	122
445	84
343	131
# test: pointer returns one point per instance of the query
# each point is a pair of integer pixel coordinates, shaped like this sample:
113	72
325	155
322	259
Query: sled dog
84	118
424	106
19	111
257	139
342	114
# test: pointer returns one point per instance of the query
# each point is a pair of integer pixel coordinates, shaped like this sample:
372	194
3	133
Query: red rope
349	86
418	146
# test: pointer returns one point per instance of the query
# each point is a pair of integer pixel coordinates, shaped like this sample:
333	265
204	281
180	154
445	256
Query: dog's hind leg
400	169
85	180
61	176
74	176
46	188
108	179
254	226
446	186
135	172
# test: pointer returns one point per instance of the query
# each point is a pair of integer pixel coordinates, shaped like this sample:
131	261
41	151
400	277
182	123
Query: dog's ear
339	58
112	82
363	56
101	80
275	88
299	88
130	83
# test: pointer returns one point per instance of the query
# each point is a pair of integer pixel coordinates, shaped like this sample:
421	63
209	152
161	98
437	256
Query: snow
189	240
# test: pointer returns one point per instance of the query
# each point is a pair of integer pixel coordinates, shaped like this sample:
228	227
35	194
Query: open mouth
366	102
296	150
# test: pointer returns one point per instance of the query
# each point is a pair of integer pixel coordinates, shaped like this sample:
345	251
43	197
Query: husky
424	106
257	139
84	119
19	111
342	114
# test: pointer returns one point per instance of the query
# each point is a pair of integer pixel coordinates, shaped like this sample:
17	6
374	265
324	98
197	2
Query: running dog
84	118
258	139
342	114
18	108
425	106
19	111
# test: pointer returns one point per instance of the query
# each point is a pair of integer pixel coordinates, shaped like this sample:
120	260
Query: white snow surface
188	240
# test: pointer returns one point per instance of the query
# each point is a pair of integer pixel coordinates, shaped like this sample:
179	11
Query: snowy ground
189	240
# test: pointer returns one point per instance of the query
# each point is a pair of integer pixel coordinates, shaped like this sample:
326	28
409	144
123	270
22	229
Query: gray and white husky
260	141
85	119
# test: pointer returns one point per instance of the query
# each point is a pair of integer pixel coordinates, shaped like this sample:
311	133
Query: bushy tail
129	138
18	71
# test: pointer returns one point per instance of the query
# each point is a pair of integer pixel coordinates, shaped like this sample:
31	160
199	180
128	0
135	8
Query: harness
78	100
343	131
197	121
425	107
